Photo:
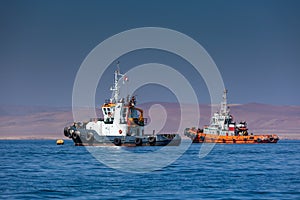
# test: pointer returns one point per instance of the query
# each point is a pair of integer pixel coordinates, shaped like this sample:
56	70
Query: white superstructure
221	122
120	118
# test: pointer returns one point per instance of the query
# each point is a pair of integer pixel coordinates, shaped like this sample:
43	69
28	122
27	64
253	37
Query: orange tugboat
223	129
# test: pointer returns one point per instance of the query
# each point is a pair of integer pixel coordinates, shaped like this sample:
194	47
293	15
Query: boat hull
199	137
83	137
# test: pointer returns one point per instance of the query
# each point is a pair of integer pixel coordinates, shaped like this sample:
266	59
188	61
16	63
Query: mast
115	88
224	110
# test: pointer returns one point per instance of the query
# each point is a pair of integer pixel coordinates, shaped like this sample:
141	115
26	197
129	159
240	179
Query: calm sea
40	169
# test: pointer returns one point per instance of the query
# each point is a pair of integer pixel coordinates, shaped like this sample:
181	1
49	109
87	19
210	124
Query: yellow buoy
59	142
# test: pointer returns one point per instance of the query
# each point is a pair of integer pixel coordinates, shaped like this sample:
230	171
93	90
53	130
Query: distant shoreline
33	138
10	139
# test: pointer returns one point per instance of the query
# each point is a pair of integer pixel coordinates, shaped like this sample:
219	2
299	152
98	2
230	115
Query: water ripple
41	170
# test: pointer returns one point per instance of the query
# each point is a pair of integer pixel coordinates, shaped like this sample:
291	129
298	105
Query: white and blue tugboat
122	125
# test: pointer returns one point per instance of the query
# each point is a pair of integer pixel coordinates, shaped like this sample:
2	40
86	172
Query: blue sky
255	44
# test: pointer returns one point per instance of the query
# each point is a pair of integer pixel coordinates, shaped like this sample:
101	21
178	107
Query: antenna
118	66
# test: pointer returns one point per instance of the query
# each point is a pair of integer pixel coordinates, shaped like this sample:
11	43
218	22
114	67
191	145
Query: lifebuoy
152	141
271	139
138	141
117	141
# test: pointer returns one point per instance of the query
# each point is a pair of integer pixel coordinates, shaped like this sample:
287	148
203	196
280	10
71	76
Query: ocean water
39	169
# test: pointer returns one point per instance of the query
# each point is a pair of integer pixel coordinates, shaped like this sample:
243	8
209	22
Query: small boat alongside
223	129
122	124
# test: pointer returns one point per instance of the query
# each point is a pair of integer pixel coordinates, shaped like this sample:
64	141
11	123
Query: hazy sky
255	44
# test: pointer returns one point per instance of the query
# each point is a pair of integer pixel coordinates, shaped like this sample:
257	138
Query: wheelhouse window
104	111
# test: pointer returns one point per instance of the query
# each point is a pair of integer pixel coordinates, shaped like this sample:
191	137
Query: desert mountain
29	122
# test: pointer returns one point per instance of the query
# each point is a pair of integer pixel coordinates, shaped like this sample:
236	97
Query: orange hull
199	137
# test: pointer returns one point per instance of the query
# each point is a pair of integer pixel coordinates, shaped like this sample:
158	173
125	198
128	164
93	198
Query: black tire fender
66	132
74	135
89	137
138	141
259	140
118	141
202	138
152	140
